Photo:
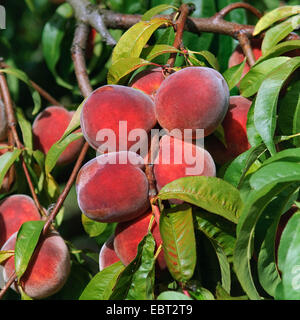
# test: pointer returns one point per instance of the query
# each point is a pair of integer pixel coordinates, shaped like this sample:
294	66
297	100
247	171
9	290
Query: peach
107	255
3	122
14	211
148	81
49	126
113	188
116	110
129	234
235	125
192	98
48	269
177	159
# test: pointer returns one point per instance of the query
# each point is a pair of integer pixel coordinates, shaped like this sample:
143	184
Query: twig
184	11
12	127
223	12
247	49
88	13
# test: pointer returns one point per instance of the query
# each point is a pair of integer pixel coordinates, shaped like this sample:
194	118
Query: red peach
107	255
49	126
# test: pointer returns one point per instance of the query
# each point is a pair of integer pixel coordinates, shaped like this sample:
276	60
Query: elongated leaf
152	52
91	227
124	67
134	39
24	78
53	34
278	33
4	255
142	284
57	149
124	282
276	172
289	260
233	75
257	74
6	160
268	273
252	134
289	155
27	239
254	206
75	121
266	101
279	49
238	168
156	10
177	233
25	126
273	16
173	295
209	57
210	193
101	285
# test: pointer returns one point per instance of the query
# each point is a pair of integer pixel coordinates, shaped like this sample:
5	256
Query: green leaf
201	294
179	244
289	112
289	155
209	57
280	49
152	52
273	16
52	37
266	101
25	126
238	168
142	284
156	10
210	193
124	67
75	121
253	136
134	39
6	161
268	273
4	255
289	259
173	295
233	75
258	73
91	227
124	282
101	285
275	172
23	77
278	33
57	149
27	239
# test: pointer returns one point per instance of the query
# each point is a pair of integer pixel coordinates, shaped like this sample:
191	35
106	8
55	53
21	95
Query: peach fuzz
110	106
192	98
112	191
14	211
49	126
48	270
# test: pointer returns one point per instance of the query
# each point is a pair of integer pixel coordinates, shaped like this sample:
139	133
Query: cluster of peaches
113	187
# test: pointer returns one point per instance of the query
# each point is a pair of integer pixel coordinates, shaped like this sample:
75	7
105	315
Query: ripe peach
177	159
107	254
111	190
129	234
48	270
148	81
116	110
235	125
192	98
49	126
14	211
3	122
